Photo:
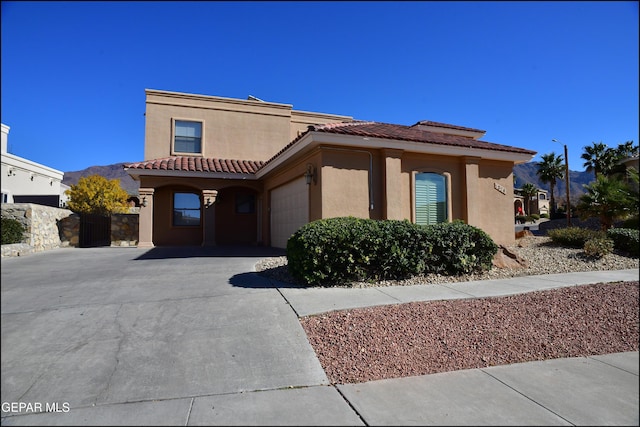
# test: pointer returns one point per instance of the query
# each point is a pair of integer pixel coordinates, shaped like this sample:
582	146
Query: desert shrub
340	250
625	239
458	248
12	231
598	247
573	237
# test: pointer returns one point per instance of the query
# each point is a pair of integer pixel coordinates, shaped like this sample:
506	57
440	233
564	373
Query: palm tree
528	191
627	149
594	156
608	199
549	170
623	151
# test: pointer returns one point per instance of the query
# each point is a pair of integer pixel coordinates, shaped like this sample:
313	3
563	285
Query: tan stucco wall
345	184
232	128
344	178
495	207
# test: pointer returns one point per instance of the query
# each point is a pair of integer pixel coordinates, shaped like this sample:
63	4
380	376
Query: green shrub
573	237
544	215
336	251
521	219
339	250
625	239
535	217
598	247
459	248
12	231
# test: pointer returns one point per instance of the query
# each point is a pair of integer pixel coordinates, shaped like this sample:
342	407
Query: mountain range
523	173
114	171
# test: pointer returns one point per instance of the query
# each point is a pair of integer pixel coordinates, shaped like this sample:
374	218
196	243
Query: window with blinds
187	137
431	198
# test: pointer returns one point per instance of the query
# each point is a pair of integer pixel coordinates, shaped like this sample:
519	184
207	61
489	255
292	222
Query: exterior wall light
310	174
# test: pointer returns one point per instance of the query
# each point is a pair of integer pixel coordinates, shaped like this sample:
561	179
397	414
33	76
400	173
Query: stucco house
539	203
220	171
25	181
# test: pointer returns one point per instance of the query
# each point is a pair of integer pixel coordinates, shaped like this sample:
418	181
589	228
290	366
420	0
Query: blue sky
74	73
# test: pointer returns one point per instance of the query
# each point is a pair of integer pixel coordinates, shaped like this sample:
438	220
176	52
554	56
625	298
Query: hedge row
623	239
340	250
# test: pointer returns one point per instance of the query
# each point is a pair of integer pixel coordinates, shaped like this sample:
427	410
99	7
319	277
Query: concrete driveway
132	336
193	336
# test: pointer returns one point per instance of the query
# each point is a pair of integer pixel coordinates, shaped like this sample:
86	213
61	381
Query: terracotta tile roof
405	133
198	164
414	134
447	125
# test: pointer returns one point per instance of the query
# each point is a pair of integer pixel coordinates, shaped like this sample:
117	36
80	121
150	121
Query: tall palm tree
594	156
528	191
549	170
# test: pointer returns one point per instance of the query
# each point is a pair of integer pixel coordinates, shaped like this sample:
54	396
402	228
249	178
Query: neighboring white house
24	181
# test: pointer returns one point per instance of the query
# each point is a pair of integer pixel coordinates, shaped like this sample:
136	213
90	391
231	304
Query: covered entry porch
183	213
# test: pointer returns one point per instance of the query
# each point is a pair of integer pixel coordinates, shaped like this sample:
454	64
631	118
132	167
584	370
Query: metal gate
95	230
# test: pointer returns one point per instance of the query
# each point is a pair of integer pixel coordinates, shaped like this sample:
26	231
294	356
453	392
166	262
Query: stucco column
392	207
209	217
473	194
145	220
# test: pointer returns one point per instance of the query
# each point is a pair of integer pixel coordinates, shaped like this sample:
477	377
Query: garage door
289	211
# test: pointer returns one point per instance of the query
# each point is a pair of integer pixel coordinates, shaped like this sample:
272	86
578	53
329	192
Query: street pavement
194	336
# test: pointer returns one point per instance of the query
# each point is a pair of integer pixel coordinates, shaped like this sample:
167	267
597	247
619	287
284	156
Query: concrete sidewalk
121	336
309	301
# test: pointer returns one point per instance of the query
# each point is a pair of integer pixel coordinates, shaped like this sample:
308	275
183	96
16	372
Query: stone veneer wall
124	229
41	224
50	228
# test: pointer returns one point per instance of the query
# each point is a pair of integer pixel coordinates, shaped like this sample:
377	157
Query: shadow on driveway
165	252
254	280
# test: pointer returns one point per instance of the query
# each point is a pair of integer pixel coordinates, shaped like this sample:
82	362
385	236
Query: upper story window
431	198
187	137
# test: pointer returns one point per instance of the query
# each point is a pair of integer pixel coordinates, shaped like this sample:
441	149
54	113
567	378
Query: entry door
289	211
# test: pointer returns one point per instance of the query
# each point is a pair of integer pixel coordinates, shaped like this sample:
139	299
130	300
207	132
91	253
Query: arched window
431	198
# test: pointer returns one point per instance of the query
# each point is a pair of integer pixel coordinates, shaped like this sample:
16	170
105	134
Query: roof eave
313	139
136	173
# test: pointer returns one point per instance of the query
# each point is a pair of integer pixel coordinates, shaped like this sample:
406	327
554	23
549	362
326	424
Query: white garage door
289	211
